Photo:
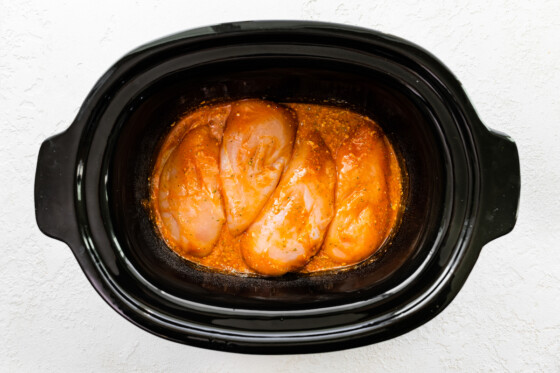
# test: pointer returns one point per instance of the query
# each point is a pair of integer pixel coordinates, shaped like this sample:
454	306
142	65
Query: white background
506	54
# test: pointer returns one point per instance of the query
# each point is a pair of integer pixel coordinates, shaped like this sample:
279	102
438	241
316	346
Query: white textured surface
506	54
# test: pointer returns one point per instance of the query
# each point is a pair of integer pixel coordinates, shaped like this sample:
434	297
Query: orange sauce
335	125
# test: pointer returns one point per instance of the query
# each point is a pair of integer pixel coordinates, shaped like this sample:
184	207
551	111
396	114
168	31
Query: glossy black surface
463	186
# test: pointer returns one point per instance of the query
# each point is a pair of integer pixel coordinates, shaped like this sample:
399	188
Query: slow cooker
463	185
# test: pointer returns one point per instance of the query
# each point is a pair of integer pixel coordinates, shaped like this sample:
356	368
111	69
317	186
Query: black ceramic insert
462	191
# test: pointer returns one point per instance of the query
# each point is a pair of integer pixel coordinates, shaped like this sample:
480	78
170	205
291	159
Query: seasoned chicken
190	201
362	218
291	227
256	148
212	116
231	192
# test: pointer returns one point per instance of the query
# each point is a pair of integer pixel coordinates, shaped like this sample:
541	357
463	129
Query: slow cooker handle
501	182
54	188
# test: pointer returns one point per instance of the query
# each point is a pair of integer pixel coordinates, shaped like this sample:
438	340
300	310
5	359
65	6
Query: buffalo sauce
343	137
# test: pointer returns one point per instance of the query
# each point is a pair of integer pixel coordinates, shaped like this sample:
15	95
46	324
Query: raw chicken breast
190	201
291	227
362	217
256	148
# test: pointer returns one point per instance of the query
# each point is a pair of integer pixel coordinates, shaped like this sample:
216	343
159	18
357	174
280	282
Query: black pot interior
403	116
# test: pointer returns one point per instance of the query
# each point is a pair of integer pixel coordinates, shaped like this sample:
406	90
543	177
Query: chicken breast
362	218
190	200
291	227
257	145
